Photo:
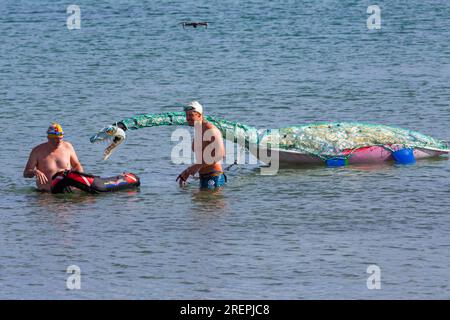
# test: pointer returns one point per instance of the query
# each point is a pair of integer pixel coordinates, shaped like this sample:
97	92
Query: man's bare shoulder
216	132
68	145
39	147
209	125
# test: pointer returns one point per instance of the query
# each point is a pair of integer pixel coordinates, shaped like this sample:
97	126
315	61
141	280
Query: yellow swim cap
55	131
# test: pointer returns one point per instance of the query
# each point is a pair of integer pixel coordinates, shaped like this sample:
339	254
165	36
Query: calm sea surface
305	233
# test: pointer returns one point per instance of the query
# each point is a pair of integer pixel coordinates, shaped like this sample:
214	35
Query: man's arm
74	162
215	150
220	146
31	168
29	171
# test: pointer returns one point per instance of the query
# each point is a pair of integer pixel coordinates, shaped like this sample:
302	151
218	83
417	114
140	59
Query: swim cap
194	106
55	131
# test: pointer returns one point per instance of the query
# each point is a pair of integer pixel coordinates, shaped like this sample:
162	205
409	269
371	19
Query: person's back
51	157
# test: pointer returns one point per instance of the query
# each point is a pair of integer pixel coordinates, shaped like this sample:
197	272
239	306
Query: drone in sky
194	24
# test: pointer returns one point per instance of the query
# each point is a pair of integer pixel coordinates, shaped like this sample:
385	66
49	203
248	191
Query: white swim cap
194	106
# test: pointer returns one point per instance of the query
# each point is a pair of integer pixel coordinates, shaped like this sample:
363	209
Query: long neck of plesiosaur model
236	132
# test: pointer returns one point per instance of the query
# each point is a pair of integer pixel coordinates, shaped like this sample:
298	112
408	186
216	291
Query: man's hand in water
192	170
41	178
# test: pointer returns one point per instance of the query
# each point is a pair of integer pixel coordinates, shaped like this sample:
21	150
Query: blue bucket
404	156
336	162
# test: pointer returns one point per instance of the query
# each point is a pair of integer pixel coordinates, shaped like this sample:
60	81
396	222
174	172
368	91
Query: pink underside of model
375	154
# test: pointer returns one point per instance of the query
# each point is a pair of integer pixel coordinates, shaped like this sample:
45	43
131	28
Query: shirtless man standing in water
208	137
51	157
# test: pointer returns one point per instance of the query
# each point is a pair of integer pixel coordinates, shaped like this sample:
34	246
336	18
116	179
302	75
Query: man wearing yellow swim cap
51	157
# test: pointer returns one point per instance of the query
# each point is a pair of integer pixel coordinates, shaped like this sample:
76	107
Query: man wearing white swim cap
208	148
194	106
